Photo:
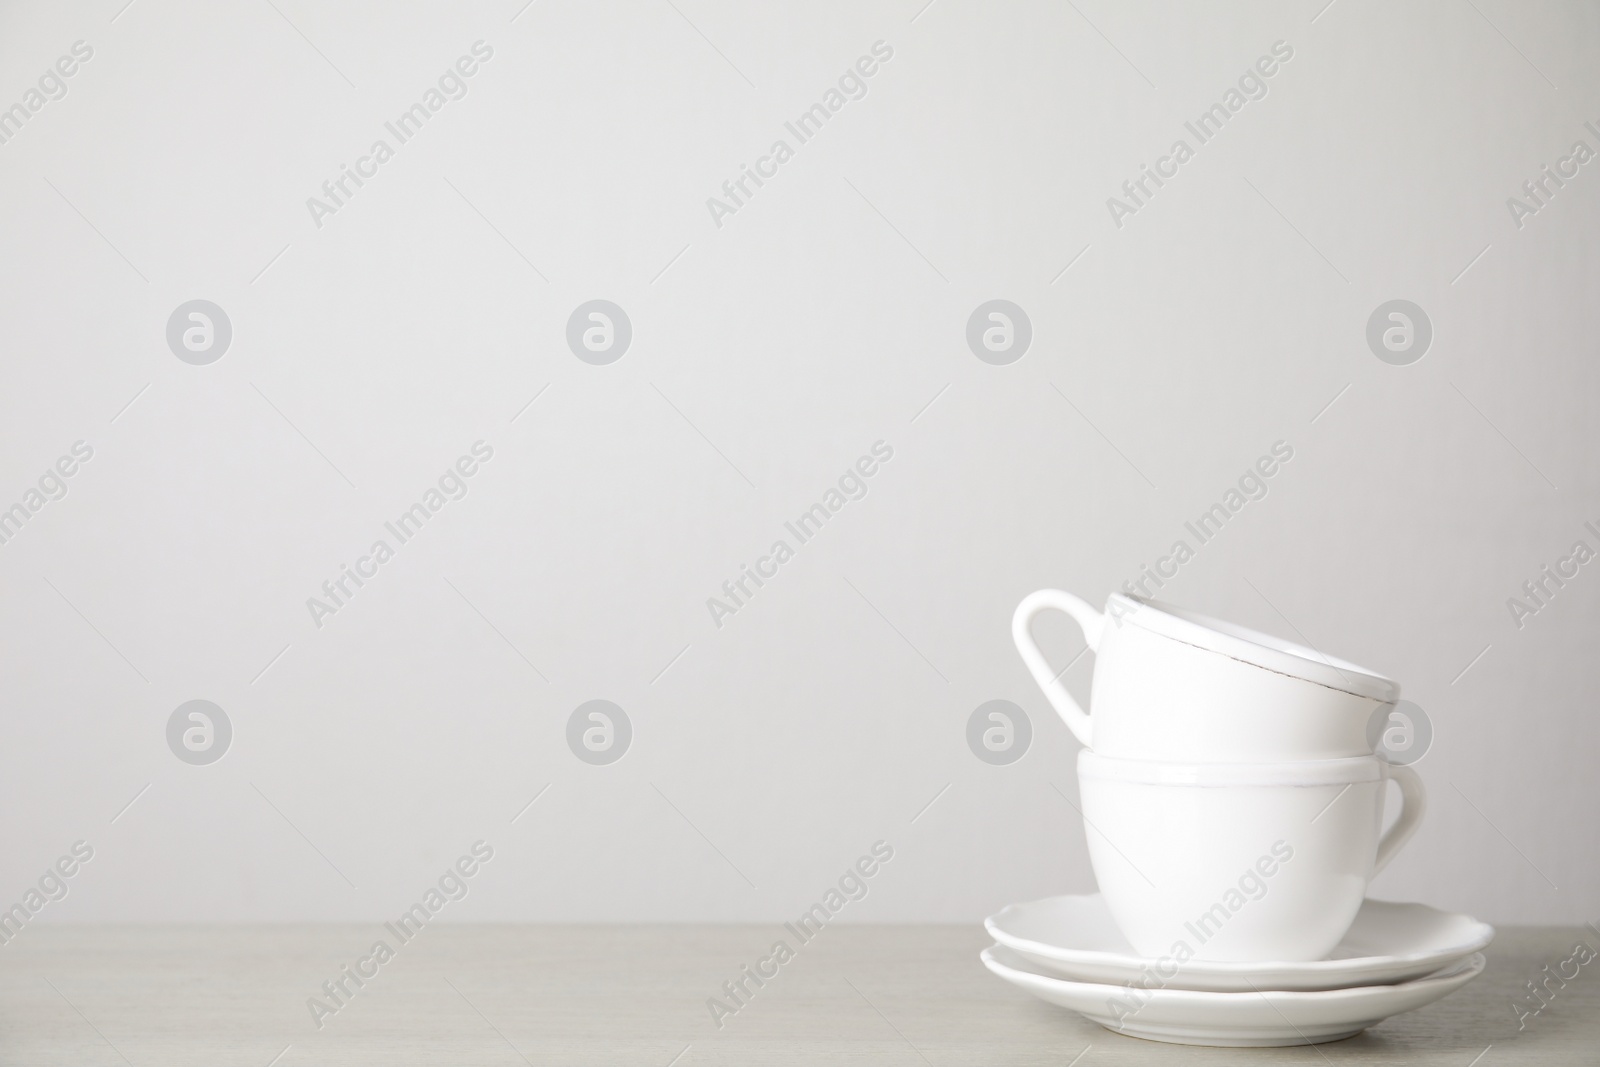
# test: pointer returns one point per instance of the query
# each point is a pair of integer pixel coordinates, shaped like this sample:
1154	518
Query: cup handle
1089	620
1413	805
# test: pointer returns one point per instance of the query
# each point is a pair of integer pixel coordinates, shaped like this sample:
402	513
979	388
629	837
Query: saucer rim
1234	1019
1310	968
1465	969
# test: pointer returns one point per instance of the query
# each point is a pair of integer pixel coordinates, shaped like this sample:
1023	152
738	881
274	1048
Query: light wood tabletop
579	995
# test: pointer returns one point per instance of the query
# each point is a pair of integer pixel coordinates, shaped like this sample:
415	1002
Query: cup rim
1346	770
1252	646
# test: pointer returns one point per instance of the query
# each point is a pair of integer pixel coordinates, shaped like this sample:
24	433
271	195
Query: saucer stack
1232	796
1394	958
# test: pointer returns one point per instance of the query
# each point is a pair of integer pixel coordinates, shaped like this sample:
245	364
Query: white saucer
1267	1018
1075	937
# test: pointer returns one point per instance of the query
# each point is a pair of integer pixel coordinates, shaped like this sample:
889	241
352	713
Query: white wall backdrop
407	321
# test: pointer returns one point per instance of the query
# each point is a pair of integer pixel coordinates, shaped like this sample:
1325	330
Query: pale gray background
824	316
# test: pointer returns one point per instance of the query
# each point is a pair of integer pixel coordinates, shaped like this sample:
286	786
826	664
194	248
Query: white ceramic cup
1240	862
1174	685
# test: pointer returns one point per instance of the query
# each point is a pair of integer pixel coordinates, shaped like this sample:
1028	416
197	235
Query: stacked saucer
1395	958
1232	796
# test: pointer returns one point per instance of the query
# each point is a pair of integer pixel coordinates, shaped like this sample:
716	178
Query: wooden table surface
169	996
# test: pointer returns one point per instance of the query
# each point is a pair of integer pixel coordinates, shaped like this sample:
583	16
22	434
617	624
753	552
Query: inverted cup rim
1253	647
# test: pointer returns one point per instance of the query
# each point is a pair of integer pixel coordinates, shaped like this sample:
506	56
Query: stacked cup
1231	796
